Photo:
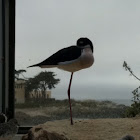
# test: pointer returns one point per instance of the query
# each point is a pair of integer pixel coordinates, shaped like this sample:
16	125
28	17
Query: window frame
8	8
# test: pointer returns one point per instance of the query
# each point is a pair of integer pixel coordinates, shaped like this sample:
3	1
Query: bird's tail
35	65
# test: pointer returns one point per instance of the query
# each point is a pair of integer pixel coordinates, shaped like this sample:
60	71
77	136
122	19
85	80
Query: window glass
103	90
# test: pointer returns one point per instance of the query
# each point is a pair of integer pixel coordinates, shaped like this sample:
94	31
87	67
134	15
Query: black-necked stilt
72	59
9	129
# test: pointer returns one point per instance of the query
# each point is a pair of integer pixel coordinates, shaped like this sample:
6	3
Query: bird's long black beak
33	65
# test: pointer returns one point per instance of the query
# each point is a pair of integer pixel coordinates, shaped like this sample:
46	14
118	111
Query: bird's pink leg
69	98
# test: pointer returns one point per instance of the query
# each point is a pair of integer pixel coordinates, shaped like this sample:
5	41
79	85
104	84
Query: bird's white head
84	43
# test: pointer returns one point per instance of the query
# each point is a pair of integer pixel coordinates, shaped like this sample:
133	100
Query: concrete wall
39	94
20	92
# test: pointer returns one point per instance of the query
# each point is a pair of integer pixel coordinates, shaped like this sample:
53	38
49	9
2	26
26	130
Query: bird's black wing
66	54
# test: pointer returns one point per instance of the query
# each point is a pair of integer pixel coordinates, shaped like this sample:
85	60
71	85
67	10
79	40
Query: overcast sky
45	26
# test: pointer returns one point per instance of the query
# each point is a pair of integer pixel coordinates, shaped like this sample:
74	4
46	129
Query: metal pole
7	56
1	55
11	102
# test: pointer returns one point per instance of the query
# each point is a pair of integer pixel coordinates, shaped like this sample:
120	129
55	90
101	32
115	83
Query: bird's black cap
83	42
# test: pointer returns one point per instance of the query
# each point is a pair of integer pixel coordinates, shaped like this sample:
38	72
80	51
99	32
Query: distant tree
135	107
18	73
41	82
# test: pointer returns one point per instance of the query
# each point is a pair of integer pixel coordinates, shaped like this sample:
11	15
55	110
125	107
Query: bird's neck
87	50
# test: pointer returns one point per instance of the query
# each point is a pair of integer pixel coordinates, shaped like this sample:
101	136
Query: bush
135	107
133	110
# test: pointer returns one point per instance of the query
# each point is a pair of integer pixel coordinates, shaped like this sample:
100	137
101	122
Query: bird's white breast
86	58
84	61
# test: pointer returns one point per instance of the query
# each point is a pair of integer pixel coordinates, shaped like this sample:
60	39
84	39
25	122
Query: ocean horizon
126	102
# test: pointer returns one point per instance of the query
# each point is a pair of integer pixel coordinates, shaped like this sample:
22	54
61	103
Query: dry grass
58	110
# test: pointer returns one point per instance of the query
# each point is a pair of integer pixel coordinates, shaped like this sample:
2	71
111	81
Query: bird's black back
66	54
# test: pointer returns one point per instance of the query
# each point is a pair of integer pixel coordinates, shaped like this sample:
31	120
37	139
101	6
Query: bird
127	137
3	118
9	129
71	59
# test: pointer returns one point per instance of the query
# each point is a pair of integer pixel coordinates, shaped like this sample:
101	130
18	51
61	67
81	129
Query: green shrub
135	107
133	110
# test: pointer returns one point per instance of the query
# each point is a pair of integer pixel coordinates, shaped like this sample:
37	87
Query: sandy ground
96	129
90	129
